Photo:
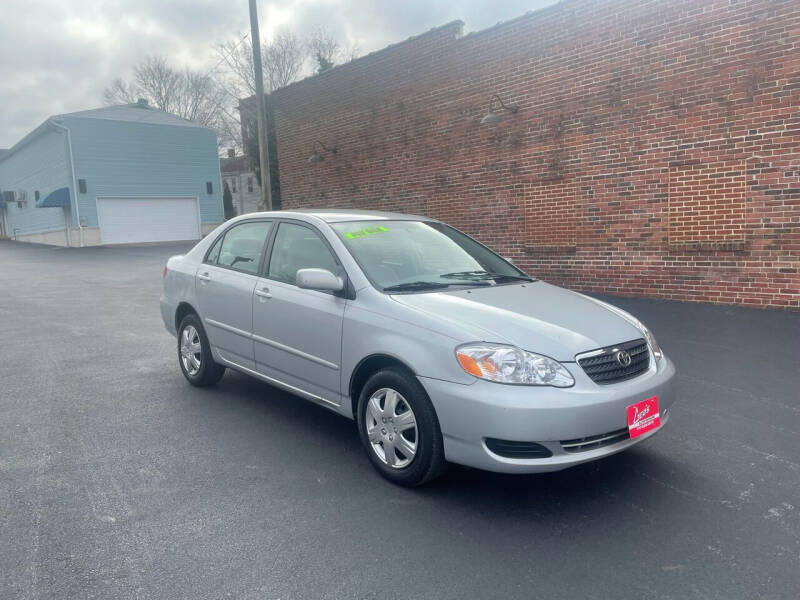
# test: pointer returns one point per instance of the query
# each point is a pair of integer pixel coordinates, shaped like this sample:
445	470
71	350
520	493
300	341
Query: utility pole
263	150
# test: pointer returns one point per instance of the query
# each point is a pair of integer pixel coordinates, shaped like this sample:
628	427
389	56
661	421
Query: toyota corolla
438	348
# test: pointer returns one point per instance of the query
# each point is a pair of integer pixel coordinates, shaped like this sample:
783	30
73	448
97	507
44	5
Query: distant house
112	175
240	177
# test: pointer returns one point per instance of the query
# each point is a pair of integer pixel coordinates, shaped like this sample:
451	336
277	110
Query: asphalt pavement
119	480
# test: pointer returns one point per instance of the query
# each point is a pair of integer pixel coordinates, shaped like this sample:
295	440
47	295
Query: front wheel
399	429
194	353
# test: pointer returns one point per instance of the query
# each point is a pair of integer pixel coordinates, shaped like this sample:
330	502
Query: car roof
335	215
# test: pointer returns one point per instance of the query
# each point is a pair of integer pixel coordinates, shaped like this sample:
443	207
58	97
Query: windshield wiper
482	275
416	285
428	285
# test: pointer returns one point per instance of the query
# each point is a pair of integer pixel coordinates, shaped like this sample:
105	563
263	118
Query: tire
404	455
199	368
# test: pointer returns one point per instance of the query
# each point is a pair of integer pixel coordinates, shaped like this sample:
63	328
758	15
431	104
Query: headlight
652	341
508	364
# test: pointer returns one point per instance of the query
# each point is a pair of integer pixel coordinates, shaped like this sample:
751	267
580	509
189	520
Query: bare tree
326	51
283	61
237	62
351	52
161	83
198	98
189	94
119	92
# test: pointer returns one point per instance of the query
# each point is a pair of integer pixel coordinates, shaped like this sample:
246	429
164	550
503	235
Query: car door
224	286
297	333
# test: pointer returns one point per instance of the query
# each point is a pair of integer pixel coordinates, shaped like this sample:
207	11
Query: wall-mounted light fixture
493	116
318	157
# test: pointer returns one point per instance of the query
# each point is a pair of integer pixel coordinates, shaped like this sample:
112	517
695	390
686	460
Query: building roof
139	112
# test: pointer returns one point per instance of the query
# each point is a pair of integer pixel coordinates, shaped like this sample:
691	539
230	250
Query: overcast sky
57	56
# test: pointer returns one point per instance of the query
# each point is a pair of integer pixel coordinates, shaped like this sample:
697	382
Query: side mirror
506	258
318	279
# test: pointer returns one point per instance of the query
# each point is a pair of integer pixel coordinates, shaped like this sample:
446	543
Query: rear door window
242	247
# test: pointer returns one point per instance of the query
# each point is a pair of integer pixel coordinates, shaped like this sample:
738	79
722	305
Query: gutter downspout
74	184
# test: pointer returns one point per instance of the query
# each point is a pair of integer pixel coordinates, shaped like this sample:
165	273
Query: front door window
297	247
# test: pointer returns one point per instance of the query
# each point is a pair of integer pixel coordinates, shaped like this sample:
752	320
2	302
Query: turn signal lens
509	364
164	274
469	365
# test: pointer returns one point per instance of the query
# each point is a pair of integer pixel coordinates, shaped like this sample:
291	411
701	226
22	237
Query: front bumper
468	414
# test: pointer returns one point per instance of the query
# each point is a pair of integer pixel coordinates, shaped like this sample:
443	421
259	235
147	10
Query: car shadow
310	436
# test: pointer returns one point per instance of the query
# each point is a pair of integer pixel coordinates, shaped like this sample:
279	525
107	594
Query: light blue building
112	175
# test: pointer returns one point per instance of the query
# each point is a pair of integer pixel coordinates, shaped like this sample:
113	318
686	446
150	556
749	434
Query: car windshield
416	256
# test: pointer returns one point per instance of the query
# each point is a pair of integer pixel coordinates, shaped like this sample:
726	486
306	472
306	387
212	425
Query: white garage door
130	220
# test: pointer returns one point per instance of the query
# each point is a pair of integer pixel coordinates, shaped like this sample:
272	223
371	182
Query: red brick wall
656	150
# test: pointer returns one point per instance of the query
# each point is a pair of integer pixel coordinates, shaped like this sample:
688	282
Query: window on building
82	186
209	187
36	195
250	184
233	185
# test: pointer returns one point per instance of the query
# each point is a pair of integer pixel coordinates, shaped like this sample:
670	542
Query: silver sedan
438	348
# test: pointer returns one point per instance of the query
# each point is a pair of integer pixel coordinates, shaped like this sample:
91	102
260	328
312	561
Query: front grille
595	441
603	368
509	449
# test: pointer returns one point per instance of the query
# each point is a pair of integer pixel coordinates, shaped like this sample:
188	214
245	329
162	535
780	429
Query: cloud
59	55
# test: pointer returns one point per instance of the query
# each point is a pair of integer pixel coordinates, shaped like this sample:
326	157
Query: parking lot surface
119	480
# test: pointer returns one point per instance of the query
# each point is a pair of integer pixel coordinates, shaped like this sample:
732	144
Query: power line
222	60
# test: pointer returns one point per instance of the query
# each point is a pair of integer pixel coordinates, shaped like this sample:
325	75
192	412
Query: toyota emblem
623	358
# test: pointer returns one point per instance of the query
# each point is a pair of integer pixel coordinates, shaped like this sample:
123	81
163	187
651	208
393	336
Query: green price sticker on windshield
354	235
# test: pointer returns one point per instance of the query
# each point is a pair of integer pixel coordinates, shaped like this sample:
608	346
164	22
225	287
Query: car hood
536	316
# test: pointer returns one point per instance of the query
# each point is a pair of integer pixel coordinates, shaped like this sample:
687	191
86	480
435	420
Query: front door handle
263	293
204	277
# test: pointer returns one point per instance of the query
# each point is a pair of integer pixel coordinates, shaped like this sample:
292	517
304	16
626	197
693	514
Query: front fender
427	352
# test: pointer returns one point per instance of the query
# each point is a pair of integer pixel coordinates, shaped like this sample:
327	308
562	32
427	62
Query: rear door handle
204	277
263	293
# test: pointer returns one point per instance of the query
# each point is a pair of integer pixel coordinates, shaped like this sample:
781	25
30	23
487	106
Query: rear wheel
194	353
399	429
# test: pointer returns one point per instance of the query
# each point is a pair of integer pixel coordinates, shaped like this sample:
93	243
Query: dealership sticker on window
365	232
643	417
